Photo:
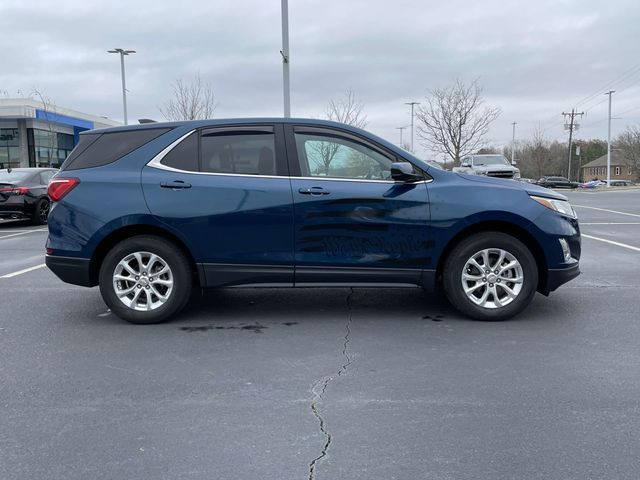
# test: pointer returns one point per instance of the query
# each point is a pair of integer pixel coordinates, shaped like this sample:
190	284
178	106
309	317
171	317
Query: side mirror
404	172
465	164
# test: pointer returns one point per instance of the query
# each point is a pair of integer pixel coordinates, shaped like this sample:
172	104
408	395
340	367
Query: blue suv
150	212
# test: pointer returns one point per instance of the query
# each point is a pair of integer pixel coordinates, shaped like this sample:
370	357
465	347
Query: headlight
560	206
516	174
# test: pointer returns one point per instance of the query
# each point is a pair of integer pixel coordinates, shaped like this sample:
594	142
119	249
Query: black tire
40	212
171	255
464	251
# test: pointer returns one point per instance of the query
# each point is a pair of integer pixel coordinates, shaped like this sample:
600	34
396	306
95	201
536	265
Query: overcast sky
533	58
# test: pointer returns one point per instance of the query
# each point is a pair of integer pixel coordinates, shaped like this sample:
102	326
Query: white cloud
535	59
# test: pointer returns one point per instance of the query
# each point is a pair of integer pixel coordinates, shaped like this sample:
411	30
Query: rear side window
242	153
101	149
184	156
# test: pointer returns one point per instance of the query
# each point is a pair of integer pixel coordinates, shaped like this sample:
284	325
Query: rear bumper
560	276
70	270
15	207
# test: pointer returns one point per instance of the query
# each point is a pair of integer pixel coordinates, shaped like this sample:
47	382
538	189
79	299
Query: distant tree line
452	120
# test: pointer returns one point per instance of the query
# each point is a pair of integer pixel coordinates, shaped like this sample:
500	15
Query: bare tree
192	100
348	110
50	110
629	143
454	120
538	153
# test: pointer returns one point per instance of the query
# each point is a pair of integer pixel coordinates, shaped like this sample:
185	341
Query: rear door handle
176	184
313	191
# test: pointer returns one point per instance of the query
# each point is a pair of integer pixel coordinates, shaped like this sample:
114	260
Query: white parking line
24	232
610	211
26	270
609	223
611	242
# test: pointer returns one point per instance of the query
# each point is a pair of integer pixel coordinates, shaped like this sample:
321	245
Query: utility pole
571	126
513	145
401	129
413	104
610	92
122	53
285	58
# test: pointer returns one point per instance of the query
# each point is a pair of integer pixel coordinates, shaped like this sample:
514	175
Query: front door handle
313	191
176	184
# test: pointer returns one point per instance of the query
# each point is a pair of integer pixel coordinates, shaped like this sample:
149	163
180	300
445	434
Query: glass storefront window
9	148
48	148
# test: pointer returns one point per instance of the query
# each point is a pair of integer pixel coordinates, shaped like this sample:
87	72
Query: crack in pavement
320	387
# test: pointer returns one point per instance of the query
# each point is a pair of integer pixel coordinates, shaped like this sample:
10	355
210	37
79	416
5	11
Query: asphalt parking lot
326	383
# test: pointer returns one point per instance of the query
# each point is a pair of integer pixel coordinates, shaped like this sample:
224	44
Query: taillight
59	187
15	190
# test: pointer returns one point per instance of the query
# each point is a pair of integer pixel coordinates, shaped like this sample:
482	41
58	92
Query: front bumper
560	276
70	269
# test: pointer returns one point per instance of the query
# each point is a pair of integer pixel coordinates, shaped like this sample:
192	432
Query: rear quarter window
184	156
98	149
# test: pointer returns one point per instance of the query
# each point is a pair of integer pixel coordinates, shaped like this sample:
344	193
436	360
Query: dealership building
34	134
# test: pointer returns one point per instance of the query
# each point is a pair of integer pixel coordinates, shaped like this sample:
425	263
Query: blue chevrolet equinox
150	212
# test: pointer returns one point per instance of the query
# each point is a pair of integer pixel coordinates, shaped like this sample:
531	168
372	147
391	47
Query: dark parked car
556	182
23	193
149	212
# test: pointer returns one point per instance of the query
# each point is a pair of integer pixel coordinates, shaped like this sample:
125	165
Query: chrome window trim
156	162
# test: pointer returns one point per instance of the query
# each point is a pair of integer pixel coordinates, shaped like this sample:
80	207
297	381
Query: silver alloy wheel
492	278
143	281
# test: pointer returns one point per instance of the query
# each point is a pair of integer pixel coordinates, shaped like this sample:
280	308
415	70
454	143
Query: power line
630	72
627	75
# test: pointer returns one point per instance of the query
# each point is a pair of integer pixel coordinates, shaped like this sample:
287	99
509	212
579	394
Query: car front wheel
145	279
490	276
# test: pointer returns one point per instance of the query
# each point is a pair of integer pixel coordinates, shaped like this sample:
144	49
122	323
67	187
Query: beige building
597	169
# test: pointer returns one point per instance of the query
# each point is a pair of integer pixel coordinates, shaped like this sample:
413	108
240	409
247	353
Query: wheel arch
502	227
108	242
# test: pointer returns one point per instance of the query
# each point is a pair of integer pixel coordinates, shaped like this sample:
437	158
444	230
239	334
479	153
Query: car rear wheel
40	212
145	279
490	276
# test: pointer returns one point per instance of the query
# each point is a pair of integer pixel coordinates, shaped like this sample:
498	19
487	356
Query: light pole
401	129
285	58
610	92
413	104
513	145
122	53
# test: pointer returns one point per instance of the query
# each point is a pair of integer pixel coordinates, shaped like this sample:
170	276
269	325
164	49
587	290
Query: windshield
490	160
434	165
14	176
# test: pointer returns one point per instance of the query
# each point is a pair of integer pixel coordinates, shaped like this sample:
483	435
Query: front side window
238	153
335	157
